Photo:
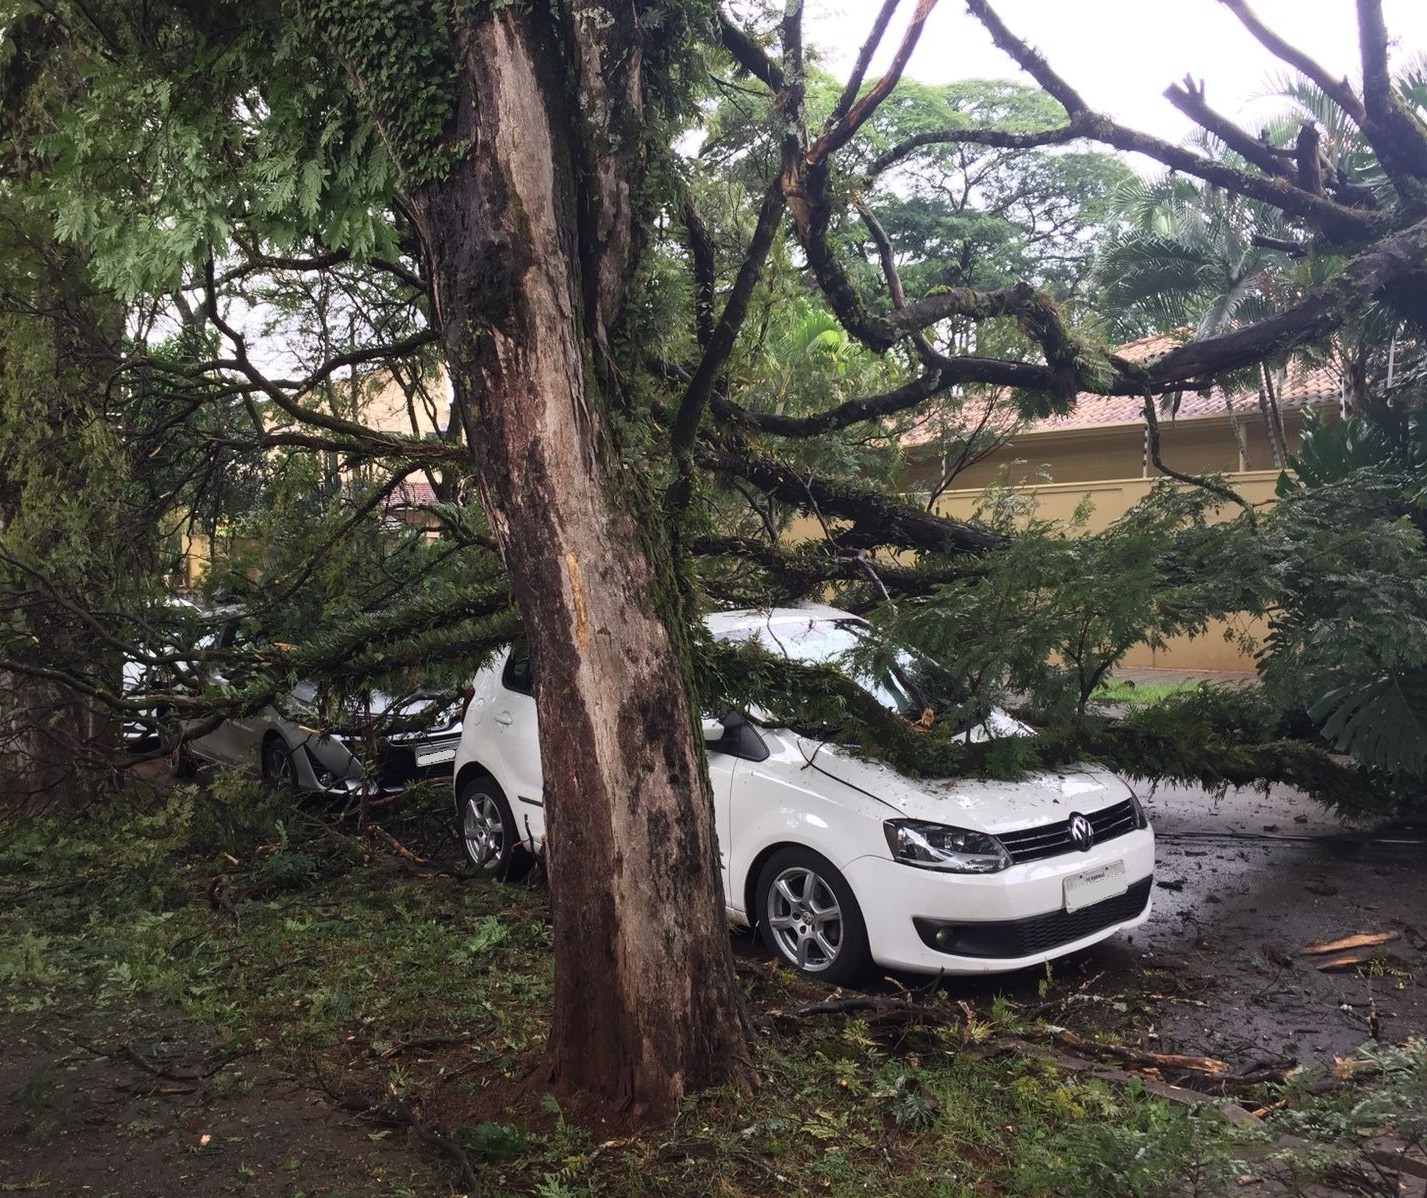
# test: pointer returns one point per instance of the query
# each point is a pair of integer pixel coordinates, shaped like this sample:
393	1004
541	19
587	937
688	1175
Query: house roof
1301	386
410	493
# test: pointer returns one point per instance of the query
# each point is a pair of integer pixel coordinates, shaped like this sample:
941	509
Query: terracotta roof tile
411	493
1302	386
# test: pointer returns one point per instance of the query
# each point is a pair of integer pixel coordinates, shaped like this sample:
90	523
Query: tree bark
645	1003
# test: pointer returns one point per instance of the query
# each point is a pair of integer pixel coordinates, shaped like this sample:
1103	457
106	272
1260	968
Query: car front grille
396	764
1007	939
1051	840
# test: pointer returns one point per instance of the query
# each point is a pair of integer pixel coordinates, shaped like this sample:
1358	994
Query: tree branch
888	257
801	573
701	252
1027	59
1336	89
847	125
876	518
859	68
725	333
1194	480
1398	137
749	54
1188	97
854	411
1338	222
998	139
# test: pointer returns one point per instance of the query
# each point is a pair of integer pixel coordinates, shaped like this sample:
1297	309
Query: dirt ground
90	1107
148	1109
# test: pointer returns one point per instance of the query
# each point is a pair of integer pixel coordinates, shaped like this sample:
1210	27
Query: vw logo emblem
1082	835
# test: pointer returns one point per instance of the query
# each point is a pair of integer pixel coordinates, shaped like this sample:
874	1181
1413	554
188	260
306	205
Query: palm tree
1189	255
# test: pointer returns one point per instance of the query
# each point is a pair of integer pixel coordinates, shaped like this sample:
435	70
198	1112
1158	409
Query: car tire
808	917
489	838
276	766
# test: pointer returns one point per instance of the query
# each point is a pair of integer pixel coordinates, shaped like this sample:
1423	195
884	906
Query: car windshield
896	676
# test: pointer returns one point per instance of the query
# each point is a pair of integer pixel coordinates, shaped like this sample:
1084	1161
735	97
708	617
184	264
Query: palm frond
1381	722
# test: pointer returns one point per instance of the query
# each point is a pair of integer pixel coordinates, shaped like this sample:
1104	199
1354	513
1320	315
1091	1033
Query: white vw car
839	861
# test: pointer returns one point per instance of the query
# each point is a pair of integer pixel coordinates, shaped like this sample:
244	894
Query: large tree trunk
645	1004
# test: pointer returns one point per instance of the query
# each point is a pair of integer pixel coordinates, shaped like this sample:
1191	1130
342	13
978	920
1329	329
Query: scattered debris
1344	943
1347	952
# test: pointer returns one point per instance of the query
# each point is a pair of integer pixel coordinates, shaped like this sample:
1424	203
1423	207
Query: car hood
425	710
981	804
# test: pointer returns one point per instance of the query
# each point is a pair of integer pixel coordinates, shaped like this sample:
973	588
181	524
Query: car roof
724	623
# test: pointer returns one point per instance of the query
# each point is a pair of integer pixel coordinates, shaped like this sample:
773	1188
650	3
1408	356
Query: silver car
377	742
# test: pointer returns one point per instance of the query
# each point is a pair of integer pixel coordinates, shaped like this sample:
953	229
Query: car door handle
504	717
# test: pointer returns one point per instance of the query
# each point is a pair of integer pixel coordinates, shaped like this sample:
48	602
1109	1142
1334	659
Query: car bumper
996	922
328	765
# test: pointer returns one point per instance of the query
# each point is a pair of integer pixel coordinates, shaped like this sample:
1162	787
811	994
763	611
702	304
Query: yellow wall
1202	445
1223	646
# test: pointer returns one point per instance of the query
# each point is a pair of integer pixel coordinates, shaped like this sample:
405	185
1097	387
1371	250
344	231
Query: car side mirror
739	739
732	719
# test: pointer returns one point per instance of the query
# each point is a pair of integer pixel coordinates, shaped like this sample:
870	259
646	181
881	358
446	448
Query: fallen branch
881	1009
430	1042
375	832
1344	943
129	1052
1138	1056
399	1114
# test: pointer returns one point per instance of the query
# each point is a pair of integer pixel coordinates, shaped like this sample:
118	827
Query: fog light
945	937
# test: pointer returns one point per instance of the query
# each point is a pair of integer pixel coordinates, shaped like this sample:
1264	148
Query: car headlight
937	846
1141	819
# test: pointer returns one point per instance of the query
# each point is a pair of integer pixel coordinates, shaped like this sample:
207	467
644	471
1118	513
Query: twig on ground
431	1042
398	1113
148	1065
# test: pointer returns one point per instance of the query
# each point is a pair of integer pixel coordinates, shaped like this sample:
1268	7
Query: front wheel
276	764
489	837
808	916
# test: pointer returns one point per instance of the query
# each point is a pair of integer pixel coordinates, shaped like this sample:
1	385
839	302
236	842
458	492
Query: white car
840	861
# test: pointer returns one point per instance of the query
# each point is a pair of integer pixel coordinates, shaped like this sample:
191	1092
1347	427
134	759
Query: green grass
1117	690
330	965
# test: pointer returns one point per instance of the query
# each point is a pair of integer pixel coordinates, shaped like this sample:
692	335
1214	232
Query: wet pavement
1243	884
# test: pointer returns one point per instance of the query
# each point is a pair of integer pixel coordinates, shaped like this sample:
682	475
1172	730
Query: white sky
1121	54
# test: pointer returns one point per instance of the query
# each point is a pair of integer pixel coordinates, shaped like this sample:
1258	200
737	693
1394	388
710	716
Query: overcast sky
1121	54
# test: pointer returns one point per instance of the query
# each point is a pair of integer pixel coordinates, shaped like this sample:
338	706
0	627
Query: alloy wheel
805	919
277	766
483	829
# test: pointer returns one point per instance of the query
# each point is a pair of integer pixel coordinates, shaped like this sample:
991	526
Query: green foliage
1330	451
1130	1147
1382	721
1184	256
1348	635
1050	614
358	969
236	129
404	53
967	215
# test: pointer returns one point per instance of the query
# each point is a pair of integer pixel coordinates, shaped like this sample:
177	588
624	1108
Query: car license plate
436	757
1095	886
